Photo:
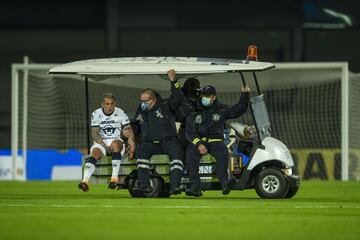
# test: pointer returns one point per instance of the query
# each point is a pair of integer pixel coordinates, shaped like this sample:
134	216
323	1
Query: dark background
64	31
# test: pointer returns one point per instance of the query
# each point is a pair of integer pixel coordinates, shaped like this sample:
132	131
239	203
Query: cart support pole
257	84
251	110
242	78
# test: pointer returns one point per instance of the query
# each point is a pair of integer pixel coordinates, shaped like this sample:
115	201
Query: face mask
145	106
205	101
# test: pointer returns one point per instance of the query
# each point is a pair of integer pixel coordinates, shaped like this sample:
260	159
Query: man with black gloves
155	123
204	129
191	91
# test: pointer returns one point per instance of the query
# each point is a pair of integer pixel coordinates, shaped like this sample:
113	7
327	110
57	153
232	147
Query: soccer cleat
113	185
83	186
228	186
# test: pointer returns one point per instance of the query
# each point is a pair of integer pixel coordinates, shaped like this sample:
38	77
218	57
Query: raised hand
172	74
245	89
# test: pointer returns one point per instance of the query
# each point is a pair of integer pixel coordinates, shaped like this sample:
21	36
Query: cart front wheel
291	192
271	183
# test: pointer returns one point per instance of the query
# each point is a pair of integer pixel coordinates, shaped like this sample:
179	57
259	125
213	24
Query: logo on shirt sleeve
198	119
140	119
159	114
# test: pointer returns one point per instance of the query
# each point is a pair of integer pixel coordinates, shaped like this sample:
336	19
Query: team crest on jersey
198	119
108	129
158	114
216	117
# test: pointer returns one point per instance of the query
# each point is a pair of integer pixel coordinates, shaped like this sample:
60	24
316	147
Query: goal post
19	163
343	67
288	82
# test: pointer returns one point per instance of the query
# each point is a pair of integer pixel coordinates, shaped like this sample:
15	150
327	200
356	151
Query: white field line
182	206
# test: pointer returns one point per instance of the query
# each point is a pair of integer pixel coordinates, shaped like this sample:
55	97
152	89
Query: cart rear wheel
156	185
165	190
131	185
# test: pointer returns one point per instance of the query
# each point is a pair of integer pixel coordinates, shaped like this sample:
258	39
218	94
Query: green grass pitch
58	210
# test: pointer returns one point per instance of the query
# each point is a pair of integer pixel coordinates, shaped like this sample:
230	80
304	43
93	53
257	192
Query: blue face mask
145	106
205	101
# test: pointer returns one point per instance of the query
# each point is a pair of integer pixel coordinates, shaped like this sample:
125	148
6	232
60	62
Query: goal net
313	109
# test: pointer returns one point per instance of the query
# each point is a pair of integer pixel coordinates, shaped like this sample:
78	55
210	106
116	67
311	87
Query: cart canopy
157	65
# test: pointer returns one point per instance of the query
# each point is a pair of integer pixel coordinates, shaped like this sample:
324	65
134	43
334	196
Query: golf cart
257	160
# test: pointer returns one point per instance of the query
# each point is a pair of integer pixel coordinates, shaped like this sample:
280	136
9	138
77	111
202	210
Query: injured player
110	126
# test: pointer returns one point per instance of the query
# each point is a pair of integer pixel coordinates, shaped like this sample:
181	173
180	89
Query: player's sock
116	160
89	168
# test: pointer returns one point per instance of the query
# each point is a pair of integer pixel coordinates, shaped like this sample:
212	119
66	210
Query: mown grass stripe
177	206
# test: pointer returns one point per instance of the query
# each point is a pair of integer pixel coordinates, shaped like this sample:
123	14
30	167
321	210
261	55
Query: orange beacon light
252	53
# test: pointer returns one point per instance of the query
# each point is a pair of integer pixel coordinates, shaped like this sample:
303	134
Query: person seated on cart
155	125
110	126
204	130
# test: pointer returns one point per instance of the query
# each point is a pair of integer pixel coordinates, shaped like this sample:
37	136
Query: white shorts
108	143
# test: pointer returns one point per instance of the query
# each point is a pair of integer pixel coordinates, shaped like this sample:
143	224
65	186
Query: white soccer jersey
110	125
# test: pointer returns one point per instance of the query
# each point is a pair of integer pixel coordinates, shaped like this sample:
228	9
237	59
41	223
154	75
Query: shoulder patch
159	114
198	119
140	119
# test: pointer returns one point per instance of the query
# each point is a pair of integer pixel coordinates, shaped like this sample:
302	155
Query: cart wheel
165	191
155	182
291	192
131	185
271	183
